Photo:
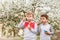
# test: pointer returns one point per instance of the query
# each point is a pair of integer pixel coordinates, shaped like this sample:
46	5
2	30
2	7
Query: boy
45	29
30	27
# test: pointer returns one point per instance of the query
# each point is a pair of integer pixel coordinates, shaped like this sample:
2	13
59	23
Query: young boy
30	27
45	29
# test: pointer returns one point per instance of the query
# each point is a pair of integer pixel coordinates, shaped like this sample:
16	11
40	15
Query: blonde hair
29	13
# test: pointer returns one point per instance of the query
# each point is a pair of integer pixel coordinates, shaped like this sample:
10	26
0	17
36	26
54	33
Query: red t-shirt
29	23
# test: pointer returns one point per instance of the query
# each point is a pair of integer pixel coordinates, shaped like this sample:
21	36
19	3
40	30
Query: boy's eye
30	16
42	18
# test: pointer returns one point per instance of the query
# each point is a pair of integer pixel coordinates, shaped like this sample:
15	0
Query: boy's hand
29	27
24	19
47	33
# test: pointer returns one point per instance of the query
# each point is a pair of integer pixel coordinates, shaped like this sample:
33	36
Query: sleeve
21	25
35	29
51	30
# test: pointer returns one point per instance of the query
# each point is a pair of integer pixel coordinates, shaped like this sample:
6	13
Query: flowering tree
12	11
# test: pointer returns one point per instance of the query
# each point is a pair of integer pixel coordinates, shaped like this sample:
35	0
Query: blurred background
12	11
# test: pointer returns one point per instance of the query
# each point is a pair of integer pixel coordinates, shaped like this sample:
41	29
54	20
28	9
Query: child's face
43	20
29	17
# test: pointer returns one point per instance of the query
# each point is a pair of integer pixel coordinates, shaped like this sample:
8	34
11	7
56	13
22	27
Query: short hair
44	15
29	13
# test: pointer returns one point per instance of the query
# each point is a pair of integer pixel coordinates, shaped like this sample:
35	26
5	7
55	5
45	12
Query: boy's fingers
24	19
47	33
29	28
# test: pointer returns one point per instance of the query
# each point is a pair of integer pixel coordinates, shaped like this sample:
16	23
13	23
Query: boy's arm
34	30
51	30
20	25
38	30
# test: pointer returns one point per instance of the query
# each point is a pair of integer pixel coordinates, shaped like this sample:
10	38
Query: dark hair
44	15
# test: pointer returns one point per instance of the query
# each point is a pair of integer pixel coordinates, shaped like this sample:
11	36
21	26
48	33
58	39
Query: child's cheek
43	21
31	18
